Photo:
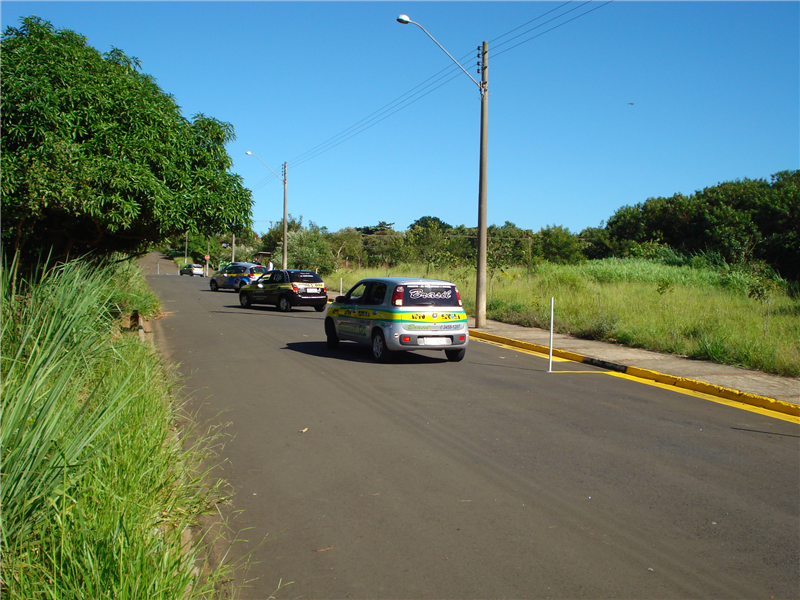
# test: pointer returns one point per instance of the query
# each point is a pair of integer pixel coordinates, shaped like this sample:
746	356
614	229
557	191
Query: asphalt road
489	478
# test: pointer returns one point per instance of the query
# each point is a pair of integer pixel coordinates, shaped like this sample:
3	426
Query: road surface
488	478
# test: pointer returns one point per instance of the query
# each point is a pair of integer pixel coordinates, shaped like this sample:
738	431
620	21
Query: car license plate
435	341
312	291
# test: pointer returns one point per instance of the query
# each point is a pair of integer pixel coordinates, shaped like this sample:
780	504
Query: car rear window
260	270
430	295
304	277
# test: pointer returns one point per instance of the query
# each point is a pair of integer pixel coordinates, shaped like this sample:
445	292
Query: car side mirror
340	299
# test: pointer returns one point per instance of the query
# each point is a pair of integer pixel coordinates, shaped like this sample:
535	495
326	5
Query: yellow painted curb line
786	408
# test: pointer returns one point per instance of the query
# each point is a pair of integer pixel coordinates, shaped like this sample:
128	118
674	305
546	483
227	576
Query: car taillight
405	338
295	289
397	296
458	297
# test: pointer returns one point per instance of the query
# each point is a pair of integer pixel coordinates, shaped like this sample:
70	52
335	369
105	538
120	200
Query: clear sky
633	100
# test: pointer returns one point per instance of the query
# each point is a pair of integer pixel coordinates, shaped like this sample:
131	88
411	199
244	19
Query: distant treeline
745	222
738	221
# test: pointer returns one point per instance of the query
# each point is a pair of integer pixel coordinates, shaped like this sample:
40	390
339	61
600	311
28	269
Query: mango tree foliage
97	158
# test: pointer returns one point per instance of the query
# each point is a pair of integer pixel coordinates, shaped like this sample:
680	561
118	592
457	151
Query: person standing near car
270	266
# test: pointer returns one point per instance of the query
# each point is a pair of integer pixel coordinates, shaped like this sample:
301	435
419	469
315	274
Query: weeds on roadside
701	308
100	483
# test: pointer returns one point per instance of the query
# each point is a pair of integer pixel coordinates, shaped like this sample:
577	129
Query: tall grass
705	313
97	489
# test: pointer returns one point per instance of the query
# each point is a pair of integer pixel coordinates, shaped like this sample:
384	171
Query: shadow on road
353	352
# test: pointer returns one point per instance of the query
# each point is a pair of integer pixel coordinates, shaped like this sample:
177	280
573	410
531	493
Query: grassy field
100	477
705	313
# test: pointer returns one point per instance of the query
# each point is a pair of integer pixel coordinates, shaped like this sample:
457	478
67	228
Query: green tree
383	246
429	243
96	157
560	246
272	240
347	246
307	249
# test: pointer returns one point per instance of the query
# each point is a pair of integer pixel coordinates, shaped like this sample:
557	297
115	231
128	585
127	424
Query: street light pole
480	280
285	213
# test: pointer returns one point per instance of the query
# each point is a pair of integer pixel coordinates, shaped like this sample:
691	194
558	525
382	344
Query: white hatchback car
394	314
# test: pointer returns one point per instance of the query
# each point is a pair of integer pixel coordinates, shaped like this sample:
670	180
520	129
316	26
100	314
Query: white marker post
552	306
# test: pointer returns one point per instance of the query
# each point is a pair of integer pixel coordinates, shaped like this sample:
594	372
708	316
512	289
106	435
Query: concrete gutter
764	402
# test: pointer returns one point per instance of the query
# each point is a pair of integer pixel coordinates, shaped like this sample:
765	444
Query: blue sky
630	101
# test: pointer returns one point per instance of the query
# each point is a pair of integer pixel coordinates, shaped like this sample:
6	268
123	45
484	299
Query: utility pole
285	214
186	249
285	225
480	284
483	55
233	247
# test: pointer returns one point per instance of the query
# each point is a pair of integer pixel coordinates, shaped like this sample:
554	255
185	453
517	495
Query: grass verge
100	477
722	315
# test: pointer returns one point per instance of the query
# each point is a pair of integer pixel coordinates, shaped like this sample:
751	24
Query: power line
552	28
414	94
379	115
375	122
529	22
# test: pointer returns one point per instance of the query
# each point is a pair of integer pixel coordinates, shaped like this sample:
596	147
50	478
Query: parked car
192	270
236	275
285	289
393	314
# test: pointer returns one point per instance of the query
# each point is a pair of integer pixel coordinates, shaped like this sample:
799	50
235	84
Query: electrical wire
414	94
375	122
529	22
495	55
381	114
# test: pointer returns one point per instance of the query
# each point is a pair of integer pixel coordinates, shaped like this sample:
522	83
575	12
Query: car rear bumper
427	340
298	300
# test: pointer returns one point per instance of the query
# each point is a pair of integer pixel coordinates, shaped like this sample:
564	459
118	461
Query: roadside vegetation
101	481
721	314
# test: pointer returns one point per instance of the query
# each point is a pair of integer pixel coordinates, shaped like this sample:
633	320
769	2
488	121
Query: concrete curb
786	408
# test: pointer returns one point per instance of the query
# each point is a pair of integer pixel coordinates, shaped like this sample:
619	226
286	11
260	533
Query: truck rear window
430	295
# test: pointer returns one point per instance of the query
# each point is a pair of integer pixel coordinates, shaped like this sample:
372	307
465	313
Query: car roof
406	280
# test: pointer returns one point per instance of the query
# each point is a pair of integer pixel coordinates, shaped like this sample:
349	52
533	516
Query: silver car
393	314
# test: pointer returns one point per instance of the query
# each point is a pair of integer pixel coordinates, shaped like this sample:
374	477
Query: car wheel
283	304
244	299
181	273
320	308
330	333
214	286
379	350
455	355
238	285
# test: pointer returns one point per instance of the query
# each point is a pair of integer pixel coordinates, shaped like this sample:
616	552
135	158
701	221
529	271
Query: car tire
455	355
284	305
214	286
238	285
244	299
330	334
320	308
181	273
379	350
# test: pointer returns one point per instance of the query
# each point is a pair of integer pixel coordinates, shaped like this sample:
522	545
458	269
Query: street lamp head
248	152
403	19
